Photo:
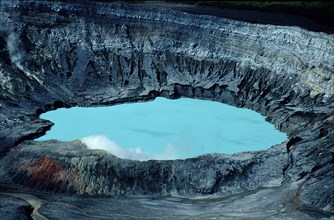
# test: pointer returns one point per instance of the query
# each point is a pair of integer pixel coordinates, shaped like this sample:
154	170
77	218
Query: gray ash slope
57	54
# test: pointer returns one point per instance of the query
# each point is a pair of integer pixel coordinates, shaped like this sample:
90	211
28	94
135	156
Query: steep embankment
60	55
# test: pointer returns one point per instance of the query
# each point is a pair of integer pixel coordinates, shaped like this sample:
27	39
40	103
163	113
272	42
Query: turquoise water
165	129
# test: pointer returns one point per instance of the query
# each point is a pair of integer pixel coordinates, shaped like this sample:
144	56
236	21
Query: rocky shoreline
57	54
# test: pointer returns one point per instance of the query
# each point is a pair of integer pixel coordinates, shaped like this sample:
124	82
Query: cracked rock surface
57	54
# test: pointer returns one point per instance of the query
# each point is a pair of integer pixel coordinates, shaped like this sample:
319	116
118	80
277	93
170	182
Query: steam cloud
16	54
104	143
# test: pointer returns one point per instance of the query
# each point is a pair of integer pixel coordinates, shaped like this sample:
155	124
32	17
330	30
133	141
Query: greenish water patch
164	129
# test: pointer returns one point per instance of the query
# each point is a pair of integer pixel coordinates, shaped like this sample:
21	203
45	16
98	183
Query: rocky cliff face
71	167
56	54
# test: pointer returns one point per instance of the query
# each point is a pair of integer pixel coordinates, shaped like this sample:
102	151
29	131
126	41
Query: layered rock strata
57	54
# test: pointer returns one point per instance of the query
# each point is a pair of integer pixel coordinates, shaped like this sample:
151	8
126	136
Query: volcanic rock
60	54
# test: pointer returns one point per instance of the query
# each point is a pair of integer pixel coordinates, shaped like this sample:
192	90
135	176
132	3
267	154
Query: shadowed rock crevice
58	54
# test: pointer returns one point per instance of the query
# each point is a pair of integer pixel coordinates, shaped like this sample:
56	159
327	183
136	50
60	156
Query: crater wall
57	54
